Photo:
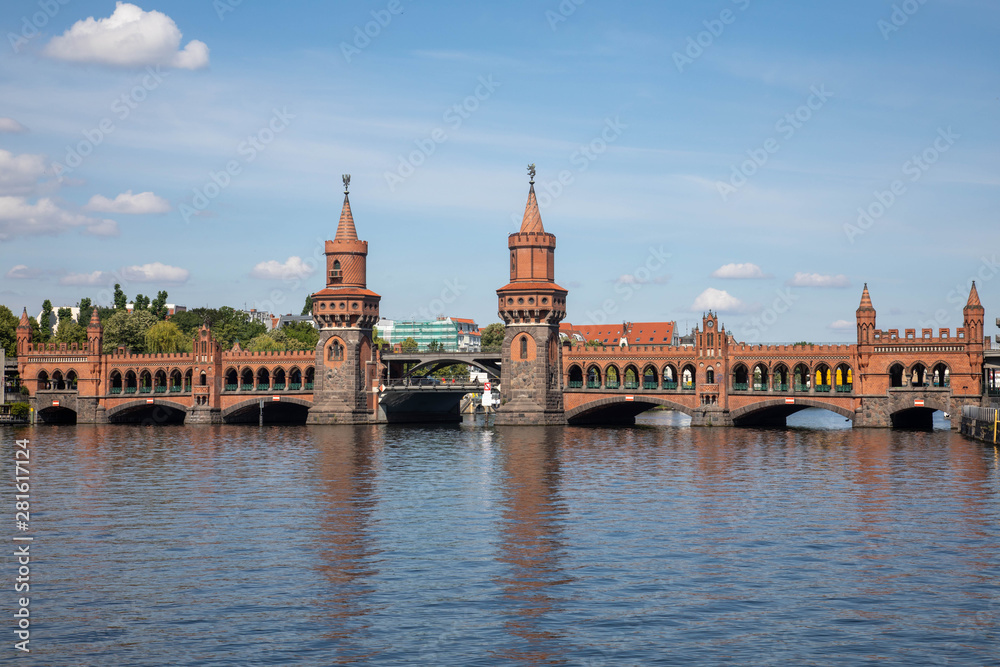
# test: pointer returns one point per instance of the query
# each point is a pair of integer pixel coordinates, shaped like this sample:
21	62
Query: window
524	347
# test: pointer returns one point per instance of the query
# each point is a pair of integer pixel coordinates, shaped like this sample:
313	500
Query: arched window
204	379
896	375
710	374
336	351
575	377
524	347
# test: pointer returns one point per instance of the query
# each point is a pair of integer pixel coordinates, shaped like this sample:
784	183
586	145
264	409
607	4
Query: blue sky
710	154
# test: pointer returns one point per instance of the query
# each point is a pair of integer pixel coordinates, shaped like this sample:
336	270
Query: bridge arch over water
773	412
289	410
617	409
141	412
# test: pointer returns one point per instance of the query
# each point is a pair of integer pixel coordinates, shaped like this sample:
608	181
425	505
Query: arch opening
159	414
56	415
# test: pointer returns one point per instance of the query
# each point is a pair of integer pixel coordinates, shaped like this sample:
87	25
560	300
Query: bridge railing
980	414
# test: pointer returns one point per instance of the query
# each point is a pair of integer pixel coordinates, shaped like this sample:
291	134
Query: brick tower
23	334
345	312
531	306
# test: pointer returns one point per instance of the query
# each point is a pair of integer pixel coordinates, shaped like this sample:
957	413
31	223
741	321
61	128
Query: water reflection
347	467
531	544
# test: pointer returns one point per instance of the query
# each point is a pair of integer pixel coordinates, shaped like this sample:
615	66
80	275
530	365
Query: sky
762	159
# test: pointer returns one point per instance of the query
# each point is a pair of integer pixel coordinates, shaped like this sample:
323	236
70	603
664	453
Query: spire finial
347	183
531	173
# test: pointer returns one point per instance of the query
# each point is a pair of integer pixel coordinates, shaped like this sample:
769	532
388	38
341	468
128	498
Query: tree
264	343
159	305
492	337
308	307
121	301
409	344
45	322
378	340
166	337
141	302
69	331
36	330
228	325
86	310
128	329
8	331
304	334
434	346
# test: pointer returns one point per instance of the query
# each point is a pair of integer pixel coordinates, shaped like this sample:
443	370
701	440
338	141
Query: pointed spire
532	221
95	320
24	320
345	229
973	297
866	300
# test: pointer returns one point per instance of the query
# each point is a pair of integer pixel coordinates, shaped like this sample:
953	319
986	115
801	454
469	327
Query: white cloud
130	37
11	125
144	202
293	267
155	273
22	272
720	301
842	325
19	174
746	270
801	279
95	278
19	218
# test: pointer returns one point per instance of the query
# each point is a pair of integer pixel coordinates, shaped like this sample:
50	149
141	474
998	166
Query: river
471	545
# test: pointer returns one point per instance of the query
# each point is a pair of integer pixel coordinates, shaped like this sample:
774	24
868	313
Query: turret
95	333
866	318
346	301
23	334
973	316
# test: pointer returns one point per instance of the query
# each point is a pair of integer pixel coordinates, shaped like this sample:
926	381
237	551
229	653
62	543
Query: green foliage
228	325
19	410
8	330
166	337
492	337
121	301
409	344
264	343
304	334
802	342
86	310
45	323
159	305
455	371
64	314
308	307
434	346
376	339
128	329
36	331
70	331
141	302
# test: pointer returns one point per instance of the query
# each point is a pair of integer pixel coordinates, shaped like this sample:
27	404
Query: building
54	318
261	316
284	320
454	334
172	308
633	333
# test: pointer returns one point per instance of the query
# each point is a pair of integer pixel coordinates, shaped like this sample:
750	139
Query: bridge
884	379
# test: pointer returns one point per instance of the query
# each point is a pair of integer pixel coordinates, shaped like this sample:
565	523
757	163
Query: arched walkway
140	412
289	410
